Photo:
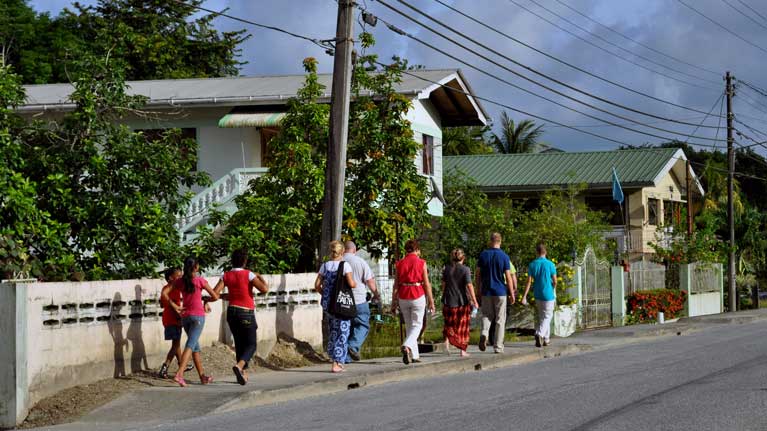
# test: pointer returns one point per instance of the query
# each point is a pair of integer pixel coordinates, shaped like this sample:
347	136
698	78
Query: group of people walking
494	286
185	306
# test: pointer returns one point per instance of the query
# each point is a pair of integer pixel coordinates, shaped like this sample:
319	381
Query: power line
503	105
722	27
324	44
634	40
607	50
649	60
752	9
745	14
574	67
718	101
550	78
399	31
697	117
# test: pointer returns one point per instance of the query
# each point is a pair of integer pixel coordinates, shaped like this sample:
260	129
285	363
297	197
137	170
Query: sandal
406	355
205	380
238	373
180	380
336	368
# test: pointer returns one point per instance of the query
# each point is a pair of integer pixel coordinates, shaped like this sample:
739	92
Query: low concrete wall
60	335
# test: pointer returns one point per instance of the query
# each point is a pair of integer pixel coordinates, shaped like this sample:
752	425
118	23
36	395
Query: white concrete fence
58	335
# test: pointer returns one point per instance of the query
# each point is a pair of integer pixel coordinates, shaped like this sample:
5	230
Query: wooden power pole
688	180
730	205
335	171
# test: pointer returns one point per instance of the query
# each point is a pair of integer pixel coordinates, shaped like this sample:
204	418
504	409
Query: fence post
13	355
618	301
685	283
721	287
577	293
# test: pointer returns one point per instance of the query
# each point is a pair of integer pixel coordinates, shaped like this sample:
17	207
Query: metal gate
596	302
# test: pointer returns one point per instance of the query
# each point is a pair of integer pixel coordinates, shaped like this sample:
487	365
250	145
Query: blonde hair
335	249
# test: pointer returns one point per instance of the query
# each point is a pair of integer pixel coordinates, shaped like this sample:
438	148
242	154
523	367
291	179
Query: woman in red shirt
241	314
412	295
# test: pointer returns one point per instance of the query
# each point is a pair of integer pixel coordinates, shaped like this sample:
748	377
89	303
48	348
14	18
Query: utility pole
335	171
730	207
689	198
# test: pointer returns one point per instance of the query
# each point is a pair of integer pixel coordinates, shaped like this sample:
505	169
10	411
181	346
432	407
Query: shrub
644	305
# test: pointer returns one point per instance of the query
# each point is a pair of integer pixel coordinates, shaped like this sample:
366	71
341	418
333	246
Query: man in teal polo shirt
543	273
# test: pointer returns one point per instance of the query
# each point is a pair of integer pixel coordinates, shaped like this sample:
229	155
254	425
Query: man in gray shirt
364	277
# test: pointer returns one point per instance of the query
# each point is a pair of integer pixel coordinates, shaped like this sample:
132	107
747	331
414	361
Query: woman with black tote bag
325	284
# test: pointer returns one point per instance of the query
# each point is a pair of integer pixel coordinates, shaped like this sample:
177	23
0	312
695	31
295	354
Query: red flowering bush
644	305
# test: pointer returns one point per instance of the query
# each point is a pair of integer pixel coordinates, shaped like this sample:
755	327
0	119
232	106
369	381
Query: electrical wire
718	101
550	78
744	14
722	27
644	45
322	43
574	67
752	10
697	117
596	36
399	31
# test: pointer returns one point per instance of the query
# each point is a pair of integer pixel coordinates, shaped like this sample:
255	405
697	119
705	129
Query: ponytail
190	264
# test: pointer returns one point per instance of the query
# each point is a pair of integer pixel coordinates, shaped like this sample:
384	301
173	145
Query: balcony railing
220	193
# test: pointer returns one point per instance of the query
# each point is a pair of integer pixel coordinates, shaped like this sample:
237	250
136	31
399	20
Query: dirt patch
70	404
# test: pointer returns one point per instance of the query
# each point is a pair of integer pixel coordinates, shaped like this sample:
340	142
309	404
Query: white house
233	120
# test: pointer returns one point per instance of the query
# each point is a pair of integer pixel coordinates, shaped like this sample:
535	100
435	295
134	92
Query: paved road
711	380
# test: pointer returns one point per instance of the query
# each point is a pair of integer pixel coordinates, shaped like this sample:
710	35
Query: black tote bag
341	304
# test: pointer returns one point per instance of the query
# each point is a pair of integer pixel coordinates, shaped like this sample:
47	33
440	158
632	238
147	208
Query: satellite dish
436	192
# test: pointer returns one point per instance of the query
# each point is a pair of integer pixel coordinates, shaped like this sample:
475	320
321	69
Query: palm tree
521	137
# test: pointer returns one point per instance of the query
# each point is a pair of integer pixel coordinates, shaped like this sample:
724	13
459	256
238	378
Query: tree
279	217
150	39
519	137
467	140
105	197
385	199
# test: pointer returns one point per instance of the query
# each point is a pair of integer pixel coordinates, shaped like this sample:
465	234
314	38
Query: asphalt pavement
713	379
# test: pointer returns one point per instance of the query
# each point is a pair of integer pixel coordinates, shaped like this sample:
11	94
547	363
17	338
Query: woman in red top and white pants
412	295
241	314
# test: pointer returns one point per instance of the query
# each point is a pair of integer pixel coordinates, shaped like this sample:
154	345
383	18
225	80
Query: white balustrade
221	192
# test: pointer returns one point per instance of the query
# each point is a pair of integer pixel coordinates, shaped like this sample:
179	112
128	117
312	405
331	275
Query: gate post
618	301
577	293
685	283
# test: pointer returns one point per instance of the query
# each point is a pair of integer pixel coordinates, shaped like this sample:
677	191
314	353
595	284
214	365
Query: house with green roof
654	183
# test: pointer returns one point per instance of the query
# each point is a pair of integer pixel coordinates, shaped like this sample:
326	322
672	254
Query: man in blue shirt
542	273
496	283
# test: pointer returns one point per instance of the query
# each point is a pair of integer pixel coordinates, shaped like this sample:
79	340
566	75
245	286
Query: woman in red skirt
457	299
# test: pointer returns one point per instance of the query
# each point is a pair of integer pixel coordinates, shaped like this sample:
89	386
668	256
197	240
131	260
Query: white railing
221	192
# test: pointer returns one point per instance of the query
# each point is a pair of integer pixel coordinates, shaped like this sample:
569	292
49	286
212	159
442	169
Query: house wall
220	150
425	119
66	334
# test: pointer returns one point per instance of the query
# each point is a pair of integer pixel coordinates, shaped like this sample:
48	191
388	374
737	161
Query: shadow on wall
115	326
138	360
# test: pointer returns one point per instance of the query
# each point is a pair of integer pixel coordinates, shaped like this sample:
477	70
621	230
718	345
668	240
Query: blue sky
663	25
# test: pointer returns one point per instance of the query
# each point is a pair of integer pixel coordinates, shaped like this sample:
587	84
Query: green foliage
522	137
279	218
565	224
561	220
150	39
468	220
385	198
467	140
87	196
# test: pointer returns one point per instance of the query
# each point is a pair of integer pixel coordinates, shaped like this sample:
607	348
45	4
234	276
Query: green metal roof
542	171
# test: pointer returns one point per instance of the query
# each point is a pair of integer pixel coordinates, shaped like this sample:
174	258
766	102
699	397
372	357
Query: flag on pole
617	190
